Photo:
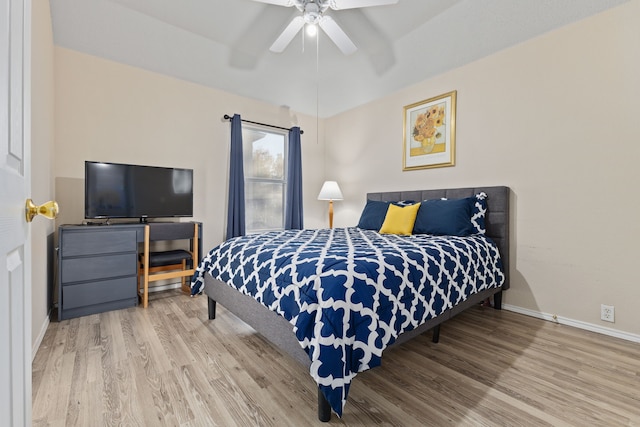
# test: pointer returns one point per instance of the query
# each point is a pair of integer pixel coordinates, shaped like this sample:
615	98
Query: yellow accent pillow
400	219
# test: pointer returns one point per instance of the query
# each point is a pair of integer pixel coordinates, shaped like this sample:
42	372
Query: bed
331	328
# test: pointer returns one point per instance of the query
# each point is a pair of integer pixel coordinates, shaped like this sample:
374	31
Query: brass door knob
48	210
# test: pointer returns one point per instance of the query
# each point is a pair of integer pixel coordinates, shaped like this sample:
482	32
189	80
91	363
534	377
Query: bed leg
497	300
436	334
212	308
324	409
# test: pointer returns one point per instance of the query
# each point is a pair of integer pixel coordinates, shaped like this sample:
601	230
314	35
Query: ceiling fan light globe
312	30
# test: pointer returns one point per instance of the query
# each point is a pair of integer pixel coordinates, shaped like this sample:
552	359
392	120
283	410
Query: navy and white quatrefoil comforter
349	292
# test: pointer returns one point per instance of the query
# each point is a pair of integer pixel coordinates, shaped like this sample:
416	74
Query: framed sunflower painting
429	139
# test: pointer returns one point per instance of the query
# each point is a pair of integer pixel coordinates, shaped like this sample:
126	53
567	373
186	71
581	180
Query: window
265	159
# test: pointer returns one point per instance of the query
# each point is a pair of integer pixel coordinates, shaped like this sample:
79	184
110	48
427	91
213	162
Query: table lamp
330	191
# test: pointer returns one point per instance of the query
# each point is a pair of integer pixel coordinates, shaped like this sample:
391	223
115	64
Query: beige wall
555	119
107	111
42	190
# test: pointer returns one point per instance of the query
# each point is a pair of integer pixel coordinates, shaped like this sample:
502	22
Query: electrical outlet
607	313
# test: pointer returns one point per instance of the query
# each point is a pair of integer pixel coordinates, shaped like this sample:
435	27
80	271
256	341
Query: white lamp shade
330	191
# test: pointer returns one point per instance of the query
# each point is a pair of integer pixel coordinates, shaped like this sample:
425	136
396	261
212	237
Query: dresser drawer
98	267
99	292
98	241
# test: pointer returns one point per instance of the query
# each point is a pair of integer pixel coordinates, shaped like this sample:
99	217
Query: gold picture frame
429	136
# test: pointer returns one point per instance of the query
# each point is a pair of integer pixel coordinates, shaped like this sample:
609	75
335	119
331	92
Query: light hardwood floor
169	365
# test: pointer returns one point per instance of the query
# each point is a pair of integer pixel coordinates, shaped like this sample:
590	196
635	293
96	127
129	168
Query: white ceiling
224	43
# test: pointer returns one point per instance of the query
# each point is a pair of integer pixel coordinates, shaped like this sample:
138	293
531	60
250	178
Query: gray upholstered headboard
497	220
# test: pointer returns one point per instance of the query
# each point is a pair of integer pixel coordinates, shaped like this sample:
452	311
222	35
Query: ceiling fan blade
353	4
335	33
287	35
286	3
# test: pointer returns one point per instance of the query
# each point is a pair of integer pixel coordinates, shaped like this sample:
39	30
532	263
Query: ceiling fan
313	13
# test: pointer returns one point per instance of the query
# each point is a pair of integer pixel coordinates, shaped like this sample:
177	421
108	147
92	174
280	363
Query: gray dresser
97	268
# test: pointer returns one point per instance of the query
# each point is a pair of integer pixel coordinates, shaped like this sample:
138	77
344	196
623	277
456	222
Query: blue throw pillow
445	217
373	215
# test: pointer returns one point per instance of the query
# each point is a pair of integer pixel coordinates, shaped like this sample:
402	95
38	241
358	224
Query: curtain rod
228	117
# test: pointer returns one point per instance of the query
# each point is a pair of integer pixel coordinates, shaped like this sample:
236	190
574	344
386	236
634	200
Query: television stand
98	266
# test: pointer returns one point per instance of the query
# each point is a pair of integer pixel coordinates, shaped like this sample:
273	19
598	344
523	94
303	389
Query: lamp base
330	213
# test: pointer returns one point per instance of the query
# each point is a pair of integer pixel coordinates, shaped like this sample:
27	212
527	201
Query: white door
15	251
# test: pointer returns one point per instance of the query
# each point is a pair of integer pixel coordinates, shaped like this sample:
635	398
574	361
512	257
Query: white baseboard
40	337
575	323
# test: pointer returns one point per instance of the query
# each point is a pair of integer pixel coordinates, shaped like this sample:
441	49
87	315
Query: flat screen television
115	190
